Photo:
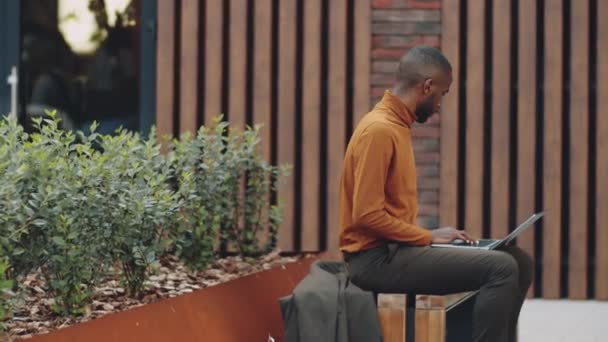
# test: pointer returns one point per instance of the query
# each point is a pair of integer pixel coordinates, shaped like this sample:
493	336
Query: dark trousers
502	278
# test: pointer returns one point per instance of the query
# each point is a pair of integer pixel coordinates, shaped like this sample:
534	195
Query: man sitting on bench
378	208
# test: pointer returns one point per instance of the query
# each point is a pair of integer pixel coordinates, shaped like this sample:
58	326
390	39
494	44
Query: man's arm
373	157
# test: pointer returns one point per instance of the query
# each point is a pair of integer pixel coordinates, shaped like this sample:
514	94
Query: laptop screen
522	227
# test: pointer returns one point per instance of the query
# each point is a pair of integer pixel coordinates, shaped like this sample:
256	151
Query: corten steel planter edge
244	309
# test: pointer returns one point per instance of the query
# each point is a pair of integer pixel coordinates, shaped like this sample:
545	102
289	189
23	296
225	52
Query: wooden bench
435	317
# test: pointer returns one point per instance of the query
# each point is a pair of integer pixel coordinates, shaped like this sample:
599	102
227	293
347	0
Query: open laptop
494	243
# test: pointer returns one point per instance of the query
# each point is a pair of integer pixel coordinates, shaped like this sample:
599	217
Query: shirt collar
393	104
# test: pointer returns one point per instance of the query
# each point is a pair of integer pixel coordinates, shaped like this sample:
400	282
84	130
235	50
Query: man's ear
426	86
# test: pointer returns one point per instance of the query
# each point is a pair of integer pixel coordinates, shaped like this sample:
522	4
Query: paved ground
563	321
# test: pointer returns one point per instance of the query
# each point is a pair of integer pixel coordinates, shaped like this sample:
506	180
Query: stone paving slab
563	321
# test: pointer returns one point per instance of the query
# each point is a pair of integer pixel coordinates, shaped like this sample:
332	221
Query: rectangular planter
245	309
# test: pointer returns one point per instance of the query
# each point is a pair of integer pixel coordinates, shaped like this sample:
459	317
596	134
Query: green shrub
5	285
72	205
46	222
13	216
140	204
200	180
252	220
226	189
67	235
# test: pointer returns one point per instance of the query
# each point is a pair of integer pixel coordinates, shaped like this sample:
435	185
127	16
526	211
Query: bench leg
410	318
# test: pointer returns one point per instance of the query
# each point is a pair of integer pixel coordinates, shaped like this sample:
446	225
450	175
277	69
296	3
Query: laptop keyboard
482	243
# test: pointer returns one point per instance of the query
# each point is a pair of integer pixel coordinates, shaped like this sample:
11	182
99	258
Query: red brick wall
396	26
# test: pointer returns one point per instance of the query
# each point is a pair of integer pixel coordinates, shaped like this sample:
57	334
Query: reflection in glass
80	58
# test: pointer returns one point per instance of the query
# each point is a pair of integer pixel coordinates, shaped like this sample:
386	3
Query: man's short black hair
419	63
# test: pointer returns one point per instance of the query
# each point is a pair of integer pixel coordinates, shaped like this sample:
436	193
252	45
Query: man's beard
424	111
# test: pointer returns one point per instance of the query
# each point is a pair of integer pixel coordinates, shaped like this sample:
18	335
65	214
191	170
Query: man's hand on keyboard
449	234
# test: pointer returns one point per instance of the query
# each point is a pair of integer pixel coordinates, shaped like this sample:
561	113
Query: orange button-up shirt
378	196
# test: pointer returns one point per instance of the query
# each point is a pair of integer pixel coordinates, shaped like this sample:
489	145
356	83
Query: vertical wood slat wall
601	146
293	66
526	121
525	129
